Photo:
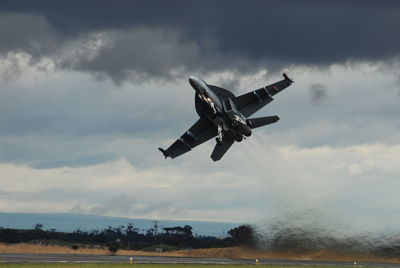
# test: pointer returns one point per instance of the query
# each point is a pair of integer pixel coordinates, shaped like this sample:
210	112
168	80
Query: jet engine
241	126
244	129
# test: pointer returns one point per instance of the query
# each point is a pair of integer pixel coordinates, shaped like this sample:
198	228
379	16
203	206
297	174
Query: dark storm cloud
159	38
27	32
141	52
318	93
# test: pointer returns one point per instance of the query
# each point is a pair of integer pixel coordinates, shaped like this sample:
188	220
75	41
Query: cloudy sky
89	90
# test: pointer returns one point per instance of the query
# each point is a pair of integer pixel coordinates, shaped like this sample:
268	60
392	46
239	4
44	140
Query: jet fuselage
222	112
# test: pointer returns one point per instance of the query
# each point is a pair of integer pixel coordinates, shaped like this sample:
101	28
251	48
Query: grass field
123	265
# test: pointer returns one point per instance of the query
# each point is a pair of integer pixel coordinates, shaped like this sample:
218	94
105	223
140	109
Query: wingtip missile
287	78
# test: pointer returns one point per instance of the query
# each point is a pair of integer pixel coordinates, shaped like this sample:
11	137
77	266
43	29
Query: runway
77	258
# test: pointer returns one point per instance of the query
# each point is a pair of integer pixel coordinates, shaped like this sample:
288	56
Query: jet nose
192	81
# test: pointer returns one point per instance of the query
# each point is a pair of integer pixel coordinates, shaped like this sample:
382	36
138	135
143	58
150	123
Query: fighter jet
224	116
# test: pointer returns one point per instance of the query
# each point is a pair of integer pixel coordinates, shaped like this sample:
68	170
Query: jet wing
251	102
200	132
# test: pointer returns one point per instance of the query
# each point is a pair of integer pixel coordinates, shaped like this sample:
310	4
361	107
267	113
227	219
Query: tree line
129	237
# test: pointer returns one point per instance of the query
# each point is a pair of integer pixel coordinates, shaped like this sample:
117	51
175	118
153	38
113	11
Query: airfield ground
121	265
229	253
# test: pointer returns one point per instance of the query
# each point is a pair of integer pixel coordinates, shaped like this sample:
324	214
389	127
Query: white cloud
21	65
257	183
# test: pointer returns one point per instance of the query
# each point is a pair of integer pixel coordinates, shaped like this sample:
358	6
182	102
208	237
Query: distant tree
178	230
132	233
188	230
243	235
150	232
38	226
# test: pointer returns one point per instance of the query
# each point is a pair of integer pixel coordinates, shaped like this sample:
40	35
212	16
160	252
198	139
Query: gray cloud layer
144	39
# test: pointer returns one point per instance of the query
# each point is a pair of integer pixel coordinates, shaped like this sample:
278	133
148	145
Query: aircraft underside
224	116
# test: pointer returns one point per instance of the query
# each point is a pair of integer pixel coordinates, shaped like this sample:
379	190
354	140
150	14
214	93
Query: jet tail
220	149
261	121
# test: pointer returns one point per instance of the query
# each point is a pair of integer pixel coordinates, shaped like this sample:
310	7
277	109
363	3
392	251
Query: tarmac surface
78	258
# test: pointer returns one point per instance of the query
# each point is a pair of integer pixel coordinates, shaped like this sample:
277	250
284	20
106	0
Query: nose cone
192	81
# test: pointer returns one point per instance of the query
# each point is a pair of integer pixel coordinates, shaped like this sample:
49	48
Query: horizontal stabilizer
261	121
220	149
